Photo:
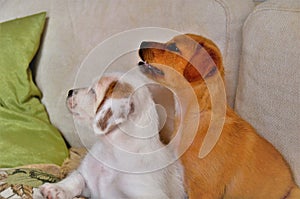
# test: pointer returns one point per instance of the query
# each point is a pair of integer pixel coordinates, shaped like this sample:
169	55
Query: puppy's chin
71	105
79	117
150	70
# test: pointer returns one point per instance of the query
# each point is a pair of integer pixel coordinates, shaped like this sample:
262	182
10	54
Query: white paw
54	191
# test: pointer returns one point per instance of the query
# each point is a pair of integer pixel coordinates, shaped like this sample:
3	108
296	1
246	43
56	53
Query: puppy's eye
173	47
92	91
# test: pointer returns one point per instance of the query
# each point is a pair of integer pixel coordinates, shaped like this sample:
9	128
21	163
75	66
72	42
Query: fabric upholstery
268	94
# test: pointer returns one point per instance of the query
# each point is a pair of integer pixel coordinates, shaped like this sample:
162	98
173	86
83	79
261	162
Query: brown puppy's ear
203	64
112	113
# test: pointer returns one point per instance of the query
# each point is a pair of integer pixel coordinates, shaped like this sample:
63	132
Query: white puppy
128	160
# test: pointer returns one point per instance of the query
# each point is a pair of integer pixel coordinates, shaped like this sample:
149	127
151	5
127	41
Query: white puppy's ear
112	113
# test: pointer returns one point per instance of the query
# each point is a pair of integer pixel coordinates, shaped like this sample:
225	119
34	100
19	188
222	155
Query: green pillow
26	135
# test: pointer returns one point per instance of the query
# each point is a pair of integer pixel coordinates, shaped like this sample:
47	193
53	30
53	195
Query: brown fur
242	165
117	90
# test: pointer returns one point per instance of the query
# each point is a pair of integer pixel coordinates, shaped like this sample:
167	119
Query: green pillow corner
26	134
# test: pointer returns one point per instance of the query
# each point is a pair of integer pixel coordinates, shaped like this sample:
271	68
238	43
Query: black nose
144	44
70	93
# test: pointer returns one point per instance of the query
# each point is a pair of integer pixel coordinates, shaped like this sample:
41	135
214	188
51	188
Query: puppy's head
102	106
192	56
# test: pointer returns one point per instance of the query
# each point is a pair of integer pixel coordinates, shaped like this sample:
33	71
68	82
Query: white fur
122	163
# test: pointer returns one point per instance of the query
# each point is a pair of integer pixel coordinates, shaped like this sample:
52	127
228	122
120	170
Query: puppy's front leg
68	188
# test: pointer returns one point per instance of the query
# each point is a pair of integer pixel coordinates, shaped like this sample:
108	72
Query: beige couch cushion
76	27
268	94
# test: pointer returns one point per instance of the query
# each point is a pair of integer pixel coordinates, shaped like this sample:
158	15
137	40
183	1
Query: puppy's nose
70	93
144	44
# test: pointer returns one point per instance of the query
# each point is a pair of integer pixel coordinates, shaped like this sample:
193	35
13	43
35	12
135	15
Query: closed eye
173	47
92	91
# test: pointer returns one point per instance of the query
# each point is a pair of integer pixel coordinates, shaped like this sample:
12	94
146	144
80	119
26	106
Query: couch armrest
268	93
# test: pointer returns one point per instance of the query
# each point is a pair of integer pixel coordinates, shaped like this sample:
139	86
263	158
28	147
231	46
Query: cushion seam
227	25
252	15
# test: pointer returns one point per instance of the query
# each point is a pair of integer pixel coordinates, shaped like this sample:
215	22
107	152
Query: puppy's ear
204	62
113	112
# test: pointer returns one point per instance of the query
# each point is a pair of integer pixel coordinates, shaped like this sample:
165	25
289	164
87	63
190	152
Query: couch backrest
75	27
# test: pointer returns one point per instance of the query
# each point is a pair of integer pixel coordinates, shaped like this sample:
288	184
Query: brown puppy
234	163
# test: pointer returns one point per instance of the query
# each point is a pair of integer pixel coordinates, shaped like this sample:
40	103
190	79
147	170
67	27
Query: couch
259	41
